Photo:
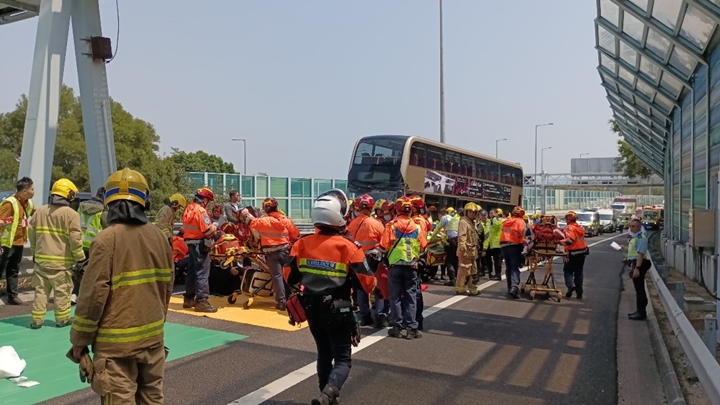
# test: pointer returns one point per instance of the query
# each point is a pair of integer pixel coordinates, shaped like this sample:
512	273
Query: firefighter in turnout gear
328	264
199	233
56	243
92	221
124	298
468	243
167	213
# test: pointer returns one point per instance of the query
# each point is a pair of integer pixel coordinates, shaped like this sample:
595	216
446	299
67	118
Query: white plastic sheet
11	365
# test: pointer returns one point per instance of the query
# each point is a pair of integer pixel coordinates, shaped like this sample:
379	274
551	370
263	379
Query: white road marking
276	387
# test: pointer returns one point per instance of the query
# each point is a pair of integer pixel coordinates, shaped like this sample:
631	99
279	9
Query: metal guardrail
703	362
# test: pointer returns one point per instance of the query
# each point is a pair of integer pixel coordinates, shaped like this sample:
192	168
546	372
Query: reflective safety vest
407	249
8	234
196	224
453	222
90	225
632	253
578	237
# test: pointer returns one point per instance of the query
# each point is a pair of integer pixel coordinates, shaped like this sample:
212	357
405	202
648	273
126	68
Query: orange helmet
364	202
204	192
432	208
518	212
571	216
269	204
403	205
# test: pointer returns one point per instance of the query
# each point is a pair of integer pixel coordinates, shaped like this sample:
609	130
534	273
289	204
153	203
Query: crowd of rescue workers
366	264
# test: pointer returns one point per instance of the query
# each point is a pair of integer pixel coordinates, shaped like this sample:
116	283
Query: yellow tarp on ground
262	313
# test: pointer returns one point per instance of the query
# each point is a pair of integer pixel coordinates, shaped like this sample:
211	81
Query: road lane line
282	384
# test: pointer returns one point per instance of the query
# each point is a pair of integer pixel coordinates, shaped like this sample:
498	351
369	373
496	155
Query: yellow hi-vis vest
8	233
90	225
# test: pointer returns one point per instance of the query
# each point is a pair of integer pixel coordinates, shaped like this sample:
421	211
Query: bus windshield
650	214
618	206
377	162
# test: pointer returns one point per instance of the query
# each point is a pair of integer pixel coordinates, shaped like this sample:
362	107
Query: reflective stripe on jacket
632	253
125	292
9	230
55	237
366	231
577	235
196	223
324	262
495	232
274	230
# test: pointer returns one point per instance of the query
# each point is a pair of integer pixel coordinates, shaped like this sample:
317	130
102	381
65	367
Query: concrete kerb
673	393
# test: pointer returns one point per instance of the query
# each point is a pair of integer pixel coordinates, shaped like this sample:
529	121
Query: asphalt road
487	349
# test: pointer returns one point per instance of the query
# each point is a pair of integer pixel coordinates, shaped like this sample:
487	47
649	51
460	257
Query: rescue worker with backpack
328	264
57	246
403	240
92	221
124	299
199	234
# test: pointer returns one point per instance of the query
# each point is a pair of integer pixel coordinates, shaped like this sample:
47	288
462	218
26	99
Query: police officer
124	298
639	265
328	264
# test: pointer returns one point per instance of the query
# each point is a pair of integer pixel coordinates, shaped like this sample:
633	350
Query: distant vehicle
5	194
562	224
624	205
653	217
590	221
608	220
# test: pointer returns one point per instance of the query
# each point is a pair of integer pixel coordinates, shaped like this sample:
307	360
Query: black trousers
10	264
333	341
493	261
451	259
641	299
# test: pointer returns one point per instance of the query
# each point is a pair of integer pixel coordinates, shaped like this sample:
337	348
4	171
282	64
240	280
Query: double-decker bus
388	166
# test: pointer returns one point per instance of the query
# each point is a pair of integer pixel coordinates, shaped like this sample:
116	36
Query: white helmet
330	208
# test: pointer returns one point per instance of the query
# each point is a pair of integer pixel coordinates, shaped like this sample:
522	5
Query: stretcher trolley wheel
232	298
532	294
559	294
248	303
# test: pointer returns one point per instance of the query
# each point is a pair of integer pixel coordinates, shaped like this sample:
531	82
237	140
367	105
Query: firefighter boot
188	303
395	331
381	322
204	306
329	396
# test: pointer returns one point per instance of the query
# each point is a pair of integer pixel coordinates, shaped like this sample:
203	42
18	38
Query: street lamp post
535	174
442	79
542	173
244	153
496	145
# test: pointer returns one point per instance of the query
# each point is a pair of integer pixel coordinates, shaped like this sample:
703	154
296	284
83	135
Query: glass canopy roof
18	10
648	51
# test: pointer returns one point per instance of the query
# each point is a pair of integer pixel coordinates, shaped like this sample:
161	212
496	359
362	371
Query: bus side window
417	155
435	158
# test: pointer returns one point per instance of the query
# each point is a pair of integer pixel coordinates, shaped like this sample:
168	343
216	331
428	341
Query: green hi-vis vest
632	253
407	249
91	225
9	230
453	222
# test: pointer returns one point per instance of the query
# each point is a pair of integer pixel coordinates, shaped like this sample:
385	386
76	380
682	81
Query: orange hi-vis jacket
423	222
414	238
513	231
274	230
196	224
366	231
325	264
180	249
575	235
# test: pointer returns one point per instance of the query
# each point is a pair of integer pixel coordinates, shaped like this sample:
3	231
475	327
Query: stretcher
256	280
545	245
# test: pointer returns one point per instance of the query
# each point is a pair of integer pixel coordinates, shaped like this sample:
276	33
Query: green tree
628	162
136	147
200	162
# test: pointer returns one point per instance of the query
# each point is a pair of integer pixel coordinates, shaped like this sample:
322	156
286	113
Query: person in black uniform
328	265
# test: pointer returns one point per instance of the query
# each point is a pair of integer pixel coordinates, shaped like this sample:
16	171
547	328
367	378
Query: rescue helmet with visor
330	208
